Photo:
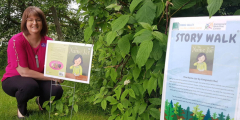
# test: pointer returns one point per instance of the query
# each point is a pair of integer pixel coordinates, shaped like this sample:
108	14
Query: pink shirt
20	52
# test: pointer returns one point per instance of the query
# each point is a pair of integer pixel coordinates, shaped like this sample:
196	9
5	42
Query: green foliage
195	110
214	115
130	41
168	110
176	108
214	6
228	117
237	12
200	115
180	110
62	106
187	114
221	116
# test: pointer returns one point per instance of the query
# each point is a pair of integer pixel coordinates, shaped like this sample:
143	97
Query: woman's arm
26	72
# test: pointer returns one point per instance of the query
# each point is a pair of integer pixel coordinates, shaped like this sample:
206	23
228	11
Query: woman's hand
57	80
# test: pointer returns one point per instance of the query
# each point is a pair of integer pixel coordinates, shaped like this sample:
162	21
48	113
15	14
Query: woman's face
201	59
78	61
34	24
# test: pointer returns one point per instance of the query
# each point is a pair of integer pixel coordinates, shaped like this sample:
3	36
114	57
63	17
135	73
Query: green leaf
87	33
120	106
111	100
145	36
104	82
136	107
149	63
160	36
237	12
131	20
113	74
134	4
135	89
155	101
155	113
98	101
213	6
136	72
70	100
112	5
45	104
145	84
59	106
152	85
124	94
147	12
131	93
75	107
120	22
160	83
125	103
160	8
91	21
124	44
104	104
144	52
117	8
134	51
142	108
114	108
157	51
146	25
140	32
110	37
145	116
118	92
179	3
83	2
112	117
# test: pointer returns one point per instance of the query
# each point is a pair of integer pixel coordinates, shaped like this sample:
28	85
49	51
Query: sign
202	69
68	61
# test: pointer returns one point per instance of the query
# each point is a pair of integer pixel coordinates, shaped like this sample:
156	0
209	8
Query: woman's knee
57	92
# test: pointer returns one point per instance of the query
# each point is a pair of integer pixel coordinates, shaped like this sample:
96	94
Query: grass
8	109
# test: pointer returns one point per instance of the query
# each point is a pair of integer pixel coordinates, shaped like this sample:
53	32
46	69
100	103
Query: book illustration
176	112
77	68
56	65
201	60
78	62
201	64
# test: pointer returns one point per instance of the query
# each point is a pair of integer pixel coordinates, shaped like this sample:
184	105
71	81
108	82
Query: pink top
20	52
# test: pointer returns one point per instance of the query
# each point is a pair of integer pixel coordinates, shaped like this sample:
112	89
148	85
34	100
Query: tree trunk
57	24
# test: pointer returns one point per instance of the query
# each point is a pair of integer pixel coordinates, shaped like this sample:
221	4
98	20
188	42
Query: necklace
35	55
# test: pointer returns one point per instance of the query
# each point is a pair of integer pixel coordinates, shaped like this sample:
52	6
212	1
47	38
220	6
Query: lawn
8	109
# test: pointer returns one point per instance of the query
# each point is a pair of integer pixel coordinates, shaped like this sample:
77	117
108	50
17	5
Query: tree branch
180	8
167	4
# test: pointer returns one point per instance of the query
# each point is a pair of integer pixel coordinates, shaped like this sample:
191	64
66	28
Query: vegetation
130	41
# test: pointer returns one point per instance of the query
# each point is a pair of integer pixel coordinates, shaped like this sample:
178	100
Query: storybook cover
68	61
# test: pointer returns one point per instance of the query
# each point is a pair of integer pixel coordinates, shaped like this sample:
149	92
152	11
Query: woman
24	77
